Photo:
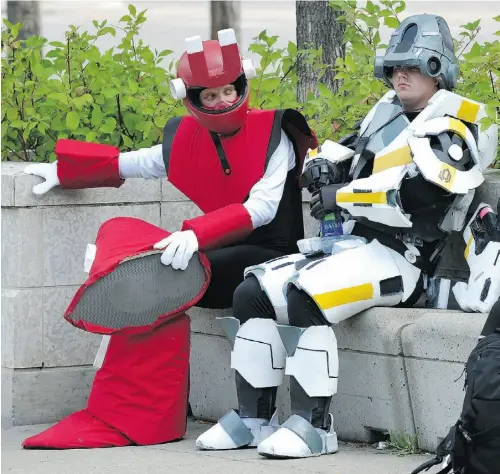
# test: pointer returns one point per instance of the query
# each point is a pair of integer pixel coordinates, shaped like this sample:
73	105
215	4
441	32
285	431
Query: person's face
218	96
412	87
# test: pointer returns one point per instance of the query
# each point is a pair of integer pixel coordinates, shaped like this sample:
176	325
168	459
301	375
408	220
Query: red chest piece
196	169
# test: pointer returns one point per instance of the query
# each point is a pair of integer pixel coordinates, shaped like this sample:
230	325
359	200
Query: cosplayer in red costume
241	167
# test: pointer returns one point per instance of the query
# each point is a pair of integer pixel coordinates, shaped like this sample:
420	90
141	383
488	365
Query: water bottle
330	231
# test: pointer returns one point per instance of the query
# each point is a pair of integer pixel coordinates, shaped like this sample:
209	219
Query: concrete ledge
397	366
436	348
34	396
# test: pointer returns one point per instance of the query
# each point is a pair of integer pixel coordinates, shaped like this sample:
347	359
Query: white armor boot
313	366
258	356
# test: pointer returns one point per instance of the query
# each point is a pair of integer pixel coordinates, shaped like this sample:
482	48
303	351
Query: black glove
324	201
320	172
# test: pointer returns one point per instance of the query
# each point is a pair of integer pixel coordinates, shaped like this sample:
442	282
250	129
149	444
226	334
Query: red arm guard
221	227
83	165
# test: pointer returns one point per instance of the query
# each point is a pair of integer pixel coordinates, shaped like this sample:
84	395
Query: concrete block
7	398
22	322
68	230
443	335
63	344
311	225
436	397
489	191
47	395
213	391
173	214
132	191
169	193
7	189
376	330
372	396
22	248
203	320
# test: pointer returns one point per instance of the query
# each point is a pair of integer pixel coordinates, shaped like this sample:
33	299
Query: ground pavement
183	458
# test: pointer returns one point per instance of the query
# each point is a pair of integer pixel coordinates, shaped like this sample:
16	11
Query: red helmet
210	64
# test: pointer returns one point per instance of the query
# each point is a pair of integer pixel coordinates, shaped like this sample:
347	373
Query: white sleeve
265	196
144	163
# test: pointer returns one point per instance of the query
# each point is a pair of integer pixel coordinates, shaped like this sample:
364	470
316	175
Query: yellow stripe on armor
458	126
313	153
362	198
335	298
468	111
467	248
447	175
399	157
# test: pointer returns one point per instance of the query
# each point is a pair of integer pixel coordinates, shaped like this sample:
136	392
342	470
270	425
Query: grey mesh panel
138	291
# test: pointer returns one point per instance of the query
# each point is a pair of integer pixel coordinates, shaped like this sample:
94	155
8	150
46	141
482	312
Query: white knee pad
272	277
349	282
312	358
258	353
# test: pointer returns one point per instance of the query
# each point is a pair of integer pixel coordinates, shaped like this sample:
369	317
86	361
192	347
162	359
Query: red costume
139	396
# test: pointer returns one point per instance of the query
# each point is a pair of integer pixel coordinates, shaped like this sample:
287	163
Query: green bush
121	96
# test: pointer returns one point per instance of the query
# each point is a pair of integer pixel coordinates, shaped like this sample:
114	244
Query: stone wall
397	367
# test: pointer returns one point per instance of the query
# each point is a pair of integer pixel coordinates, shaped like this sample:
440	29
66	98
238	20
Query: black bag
473	443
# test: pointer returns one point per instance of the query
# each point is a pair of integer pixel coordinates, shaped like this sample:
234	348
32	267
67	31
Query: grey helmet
422	41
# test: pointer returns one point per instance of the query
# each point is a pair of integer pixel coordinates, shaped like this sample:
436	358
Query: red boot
139	396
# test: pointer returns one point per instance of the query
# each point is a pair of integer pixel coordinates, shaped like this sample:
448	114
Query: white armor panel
484	266
258	353
347	283
432	168
375	198
315	362
272	276
410	153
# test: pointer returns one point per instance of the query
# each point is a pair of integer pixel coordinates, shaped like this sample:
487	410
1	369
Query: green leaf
96	117
391	22
125	18
91	136
12	113
475	51
133	86
17	124
496	18
127	141
108	126
15	30
109	93
350	63
57	44
324	91
165	52
291	48
107	30
72	120
132	10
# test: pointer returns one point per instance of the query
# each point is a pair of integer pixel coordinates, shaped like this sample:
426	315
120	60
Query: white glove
179	248
44	170
468	295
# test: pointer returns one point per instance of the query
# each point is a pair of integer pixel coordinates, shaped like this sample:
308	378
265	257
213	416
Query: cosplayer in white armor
404	182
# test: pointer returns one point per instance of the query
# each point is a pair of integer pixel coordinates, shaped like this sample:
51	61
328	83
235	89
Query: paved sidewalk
183	458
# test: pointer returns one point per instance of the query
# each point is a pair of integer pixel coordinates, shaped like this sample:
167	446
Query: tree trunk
27	13
224	15
317	26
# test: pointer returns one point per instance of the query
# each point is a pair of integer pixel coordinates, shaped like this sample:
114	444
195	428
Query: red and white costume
241	167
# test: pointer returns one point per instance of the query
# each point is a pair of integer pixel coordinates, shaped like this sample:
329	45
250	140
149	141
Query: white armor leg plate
272	277
347	283
313	363
258	356
482	290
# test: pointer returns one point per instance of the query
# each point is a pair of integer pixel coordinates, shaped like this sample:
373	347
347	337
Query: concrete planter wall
396	366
